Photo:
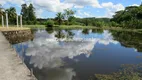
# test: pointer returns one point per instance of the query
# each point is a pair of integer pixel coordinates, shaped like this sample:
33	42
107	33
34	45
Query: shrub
114	24
49	23
29	22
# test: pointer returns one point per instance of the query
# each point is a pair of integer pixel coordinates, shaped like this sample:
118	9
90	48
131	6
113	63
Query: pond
79	54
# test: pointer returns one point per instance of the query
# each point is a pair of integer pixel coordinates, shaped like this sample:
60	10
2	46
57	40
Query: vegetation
133	40
68	15
127	72
28	14
50	23
11	15
131	17
59	18
97	22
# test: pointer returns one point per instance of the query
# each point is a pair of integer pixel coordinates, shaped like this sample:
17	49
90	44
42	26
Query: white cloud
17	2
115	7
82	14
52	5
107	5
39	13
78	6
82	3
2	2
86	14
59	6
112	8
134	5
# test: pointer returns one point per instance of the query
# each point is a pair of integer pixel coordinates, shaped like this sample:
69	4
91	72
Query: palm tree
59	17
11	12
12	15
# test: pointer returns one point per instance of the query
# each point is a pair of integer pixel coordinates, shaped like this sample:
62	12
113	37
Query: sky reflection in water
50	53
65	60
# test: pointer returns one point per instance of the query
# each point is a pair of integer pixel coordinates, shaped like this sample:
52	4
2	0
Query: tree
28	14
11	15
141	4
24	13
68	13
49	23
59	17
31	13
71	20
131	17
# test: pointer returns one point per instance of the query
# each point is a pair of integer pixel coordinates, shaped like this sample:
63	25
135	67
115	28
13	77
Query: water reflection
41	48
129	39
54	59
50	53
100	31
56	74
50	30
85	31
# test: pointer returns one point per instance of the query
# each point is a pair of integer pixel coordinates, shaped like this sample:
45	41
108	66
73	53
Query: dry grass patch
12	28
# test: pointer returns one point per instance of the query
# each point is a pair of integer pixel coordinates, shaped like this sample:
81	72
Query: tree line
131	17
27	12
62	18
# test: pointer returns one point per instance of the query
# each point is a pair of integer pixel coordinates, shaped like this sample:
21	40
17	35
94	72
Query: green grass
93	27
79	27
35	26
75	27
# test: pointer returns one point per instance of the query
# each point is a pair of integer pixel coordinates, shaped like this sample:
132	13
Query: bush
98	24
29	22
114	24
49	23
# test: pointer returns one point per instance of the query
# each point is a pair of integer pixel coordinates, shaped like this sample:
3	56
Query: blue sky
83	8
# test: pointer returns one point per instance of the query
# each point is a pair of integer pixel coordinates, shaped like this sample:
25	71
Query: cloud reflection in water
49	54
58	74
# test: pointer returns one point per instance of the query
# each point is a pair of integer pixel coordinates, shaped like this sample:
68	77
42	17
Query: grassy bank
35	26
93	27
72	27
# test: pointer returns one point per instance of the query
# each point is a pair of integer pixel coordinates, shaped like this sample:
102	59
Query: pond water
79	54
